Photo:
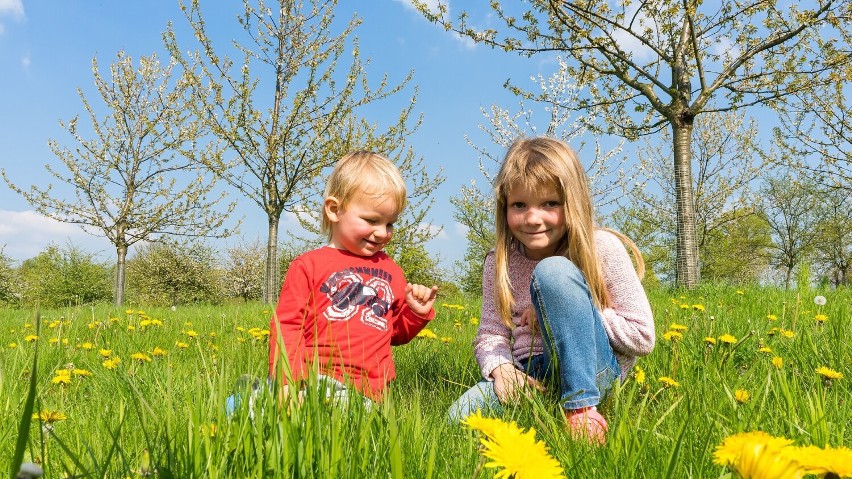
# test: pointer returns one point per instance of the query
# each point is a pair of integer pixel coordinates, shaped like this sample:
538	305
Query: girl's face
536	218
364	226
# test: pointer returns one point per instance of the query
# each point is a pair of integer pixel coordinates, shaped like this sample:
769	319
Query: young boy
343	305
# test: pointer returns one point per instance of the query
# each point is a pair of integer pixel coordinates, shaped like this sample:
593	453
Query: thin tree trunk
271	286
120	271
686	271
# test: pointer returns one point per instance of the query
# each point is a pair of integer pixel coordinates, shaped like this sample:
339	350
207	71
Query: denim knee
554	267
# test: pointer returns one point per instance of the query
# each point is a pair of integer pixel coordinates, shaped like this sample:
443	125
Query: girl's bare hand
510	382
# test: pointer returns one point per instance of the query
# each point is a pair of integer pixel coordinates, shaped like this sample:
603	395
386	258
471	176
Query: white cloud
13	8
24	234
432	5
25	61
461	229
725	47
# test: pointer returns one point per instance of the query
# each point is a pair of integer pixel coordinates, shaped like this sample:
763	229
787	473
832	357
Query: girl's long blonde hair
541	162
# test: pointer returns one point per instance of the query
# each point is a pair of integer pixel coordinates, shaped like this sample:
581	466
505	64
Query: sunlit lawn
130	392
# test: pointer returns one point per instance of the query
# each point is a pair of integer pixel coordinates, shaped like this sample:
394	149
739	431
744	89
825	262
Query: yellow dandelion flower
141	357
158	352
486	425
778	362
639	375
669	382
445	339
823	461
710	340
698	307
474	320
63	376
728	339
427	333
820	318
742	396
87	346
764	349
678	327
758	455
105	352
740	292
82	372
191	333
131	327
111	363
787	333
128	311
672	336
684	306
772	317
209	429
517	454
49	417
241	329
13	345
53	340
829	373
181	345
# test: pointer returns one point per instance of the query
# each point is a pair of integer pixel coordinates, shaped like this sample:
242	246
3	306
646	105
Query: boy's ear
332	208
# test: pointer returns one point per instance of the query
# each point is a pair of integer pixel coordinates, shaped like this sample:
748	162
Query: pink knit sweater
628	323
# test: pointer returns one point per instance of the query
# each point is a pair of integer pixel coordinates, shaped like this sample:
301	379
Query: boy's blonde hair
537	163
363	173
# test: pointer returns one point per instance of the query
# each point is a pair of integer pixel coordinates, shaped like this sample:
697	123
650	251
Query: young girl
562	302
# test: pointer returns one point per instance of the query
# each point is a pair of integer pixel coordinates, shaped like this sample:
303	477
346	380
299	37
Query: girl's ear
332	209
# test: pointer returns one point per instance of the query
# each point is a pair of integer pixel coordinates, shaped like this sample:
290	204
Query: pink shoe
586	424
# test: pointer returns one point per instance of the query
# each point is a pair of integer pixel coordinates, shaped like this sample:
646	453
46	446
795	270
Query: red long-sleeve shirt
340	313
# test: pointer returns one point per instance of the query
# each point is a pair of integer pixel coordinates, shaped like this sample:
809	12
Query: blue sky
46	49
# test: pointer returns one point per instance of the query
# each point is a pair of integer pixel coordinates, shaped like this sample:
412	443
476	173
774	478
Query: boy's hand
420	298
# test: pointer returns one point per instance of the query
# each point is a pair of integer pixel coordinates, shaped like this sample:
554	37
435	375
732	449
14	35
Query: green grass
167	414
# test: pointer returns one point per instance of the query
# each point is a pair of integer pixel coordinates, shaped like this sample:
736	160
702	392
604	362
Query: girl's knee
556	267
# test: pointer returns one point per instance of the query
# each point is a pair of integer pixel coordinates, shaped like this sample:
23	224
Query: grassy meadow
140	392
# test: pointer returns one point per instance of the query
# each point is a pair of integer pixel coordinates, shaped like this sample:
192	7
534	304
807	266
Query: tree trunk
686	271
271	285
120	269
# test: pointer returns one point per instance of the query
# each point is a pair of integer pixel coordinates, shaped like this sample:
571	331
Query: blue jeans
577	359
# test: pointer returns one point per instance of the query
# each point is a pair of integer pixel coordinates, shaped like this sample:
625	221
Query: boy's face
364	226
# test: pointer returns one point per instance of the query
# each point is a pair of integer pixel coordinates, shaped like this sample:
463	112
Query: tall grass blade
27	415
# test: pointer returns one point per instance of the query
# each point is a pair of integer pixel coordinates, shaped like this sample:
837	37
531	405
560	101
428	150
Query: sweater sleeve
289	324
629	322
407	324
492	345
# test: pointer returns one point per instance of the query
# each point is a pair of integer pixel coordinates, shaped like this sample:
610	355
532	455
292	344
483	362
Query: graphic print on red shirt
347	291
